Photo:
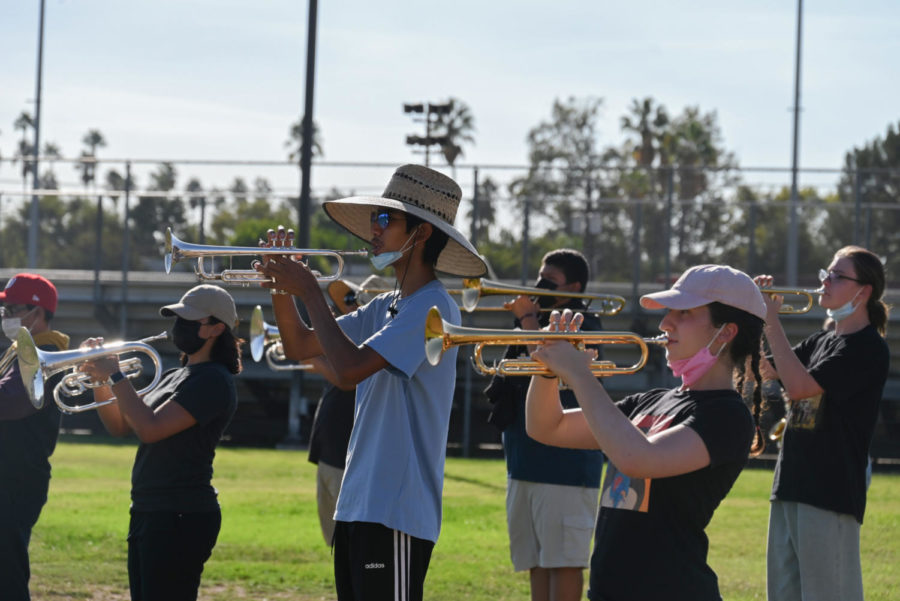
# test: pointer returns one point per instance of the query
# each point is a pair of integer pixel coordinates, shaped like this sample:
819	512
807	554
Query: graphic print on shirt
622	492
802	414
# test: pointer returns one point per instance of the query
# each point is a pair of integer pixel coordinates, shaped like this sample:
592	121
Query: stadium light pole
791	267
35	207
303	208
428	109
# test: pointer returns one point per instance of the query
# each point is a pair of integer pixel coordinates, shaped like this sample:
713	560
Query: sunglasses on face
384	218
834	276
12	310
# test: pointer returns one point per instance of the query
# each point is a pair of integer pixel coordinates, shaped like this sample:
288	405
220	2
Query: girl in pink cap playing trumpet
673	453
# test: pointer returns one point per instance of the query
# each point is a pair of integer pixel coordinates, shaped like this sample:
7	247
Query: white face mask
844	311
11	326
381	261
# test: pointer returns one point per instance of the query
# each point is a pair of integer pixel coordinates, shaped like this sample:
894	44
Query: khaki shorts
550	525
328	485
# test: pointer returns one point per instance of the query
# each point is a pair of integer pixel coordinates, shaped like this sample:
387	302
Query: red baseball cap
30	289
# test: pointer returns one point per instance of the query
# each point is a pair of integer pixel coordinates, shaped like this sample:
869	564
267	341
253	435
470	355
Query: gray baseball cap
203	301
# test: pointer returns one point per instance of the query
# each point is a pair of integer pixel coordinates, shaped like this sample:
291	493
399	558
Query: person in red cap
27	434
673	453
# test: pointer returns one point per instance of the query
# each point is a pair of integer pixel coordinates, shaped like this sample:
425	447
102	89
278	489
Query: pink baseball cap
30	289
704	284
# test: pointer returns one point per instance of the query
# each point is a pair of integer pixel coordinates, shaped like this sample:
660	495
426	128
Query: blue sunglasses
384	218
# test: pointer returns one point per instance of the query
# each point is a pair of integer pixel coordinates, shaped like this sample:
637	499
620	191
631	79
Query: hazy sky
224	79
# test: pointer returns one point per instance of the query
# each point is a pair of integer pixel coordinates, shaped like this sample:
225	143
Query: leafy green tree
488	196
567	178
871	175
155	212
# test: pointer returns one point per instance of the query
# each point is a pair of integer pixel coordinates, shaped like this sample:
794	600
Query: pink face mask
693	368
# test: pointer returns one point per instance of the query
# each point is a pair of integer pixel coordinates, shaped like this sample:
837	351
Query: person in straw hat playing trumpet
388	513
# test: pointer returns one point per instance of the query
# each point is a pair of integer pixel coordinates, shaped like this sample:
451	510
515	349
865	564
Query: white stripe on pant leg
396	568
401	566
404	570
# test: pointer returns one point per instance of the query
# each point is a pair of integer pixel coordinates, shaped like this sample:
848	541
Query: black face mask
545	302
185	336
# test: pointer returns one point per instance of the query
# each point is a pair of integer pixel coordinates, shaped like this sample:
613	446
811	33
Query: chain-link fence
638	225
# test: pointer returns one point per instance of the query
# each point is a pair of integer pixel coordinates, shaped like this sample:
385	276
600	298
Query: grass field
270	546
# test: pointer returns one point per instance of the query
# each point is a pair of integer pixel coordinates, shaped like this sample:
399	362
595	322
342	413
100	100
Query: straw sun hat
425	193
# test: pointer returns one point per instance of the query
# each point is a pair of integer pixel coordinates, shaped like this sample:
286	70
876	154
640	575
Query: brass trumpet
177	250
441	335
265	339
37	366
787	309
776	432
475	288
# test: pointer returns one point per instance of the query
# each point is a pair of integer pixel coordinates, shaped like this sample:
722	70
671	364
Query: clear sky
224	79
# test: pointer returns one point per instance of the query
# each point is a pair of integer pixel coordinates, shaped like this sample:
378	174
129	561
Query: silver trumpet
265	339
178	250
37	366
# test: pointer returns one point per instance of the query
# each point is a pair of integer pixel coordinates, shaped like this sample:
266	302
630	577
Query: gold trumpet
475	288
441	335
776	432
788	309
37	366
265	339
177	250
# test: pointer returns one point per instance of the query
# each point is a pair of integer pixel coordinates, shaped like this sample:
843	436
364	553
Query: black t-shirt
174	474
826	442
331	427
27	443
650	542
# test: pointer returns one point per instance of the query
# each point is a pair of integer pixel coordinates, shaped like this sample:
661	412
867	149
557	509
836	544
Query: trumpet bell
29	368
261	334
37	366
265	341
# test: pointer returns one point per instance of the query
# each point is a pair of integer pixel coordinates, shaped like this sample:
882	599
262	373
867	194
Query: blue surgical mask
844	311
383	260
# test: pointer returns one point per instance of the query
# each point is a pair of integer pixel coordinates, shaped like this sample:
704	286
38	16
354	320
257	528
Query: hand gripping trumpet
441	336
265	339
475	288
177	250
37	366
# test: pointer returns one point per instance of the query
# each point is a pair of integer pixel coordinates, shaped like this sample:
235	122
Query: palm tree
457	126
48	179
649	121
196	199
93	139
23	122
295	140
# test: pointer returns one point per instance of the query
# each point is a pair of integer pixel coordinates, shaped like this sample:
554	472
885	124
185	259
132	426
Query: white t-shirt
395	460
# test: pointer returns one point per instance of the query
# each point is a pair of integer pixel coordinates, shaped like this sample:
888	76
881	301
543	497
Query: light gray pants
812	554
